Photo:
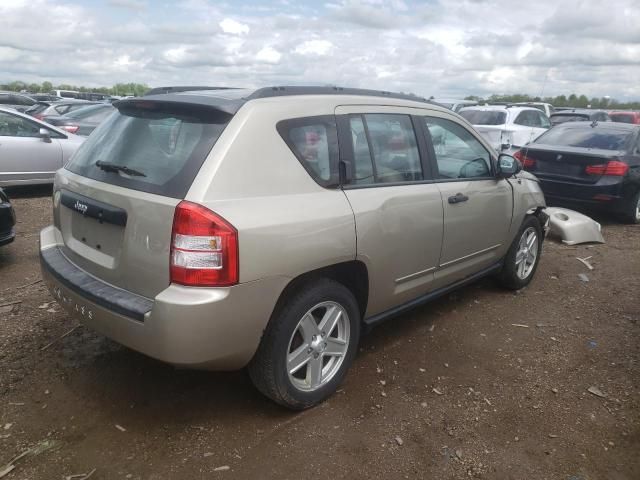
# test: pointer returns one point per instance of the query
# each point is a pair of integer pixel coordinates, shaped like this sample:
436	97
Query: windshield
484	117
588	137
167	144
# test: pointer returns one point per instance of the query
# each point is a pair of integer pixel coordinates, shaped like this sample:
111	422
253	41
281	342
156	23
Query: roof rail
161	90
284	91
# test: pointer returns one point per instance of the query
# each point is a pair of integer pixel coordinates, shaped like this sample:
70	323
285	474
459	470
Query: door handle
458	198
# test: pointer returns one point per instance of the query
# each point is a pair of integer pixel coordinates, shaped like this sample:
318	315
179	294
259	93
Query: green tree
46	87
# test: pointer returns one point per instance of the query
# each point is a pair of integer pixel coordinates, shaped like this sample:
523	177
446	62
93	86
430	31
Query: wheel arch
352	274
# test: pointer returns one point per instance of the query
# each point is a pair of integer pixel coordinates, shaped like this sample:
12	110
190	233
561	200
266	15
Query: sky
444	48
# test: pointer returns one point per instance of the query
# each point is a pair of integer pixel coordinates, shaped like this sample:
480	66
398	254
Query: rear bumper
7	237
209	328
7	221
606	194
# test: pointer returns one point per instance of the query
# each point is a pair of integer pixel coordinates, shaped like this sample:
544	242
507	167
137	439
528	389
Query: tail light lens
612	168
204	248
527	162
70	128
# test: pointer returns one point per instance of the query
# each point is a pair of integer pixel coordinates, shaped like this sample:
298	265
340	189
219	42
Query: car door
25	157
397	208
477	205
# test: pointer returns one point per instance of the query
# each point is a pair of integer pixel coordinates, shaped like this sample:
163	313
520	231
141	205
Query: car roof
230	100
499	108
601	125
583	111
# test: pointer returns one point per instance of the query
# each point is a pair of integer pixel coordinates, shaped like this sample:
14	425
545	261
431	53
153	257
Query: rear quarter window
165	144
314	142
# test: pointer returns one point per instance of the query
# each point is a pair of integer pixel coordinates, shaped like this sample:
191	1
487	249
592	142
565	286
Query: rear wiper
112	167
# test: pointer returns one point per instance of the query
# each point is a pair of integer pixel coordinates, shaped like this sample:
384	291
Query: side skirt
371	322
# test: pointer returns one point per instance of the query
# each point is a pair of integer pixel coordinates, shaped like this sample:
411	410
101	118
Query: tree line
138	89
119	89
573	100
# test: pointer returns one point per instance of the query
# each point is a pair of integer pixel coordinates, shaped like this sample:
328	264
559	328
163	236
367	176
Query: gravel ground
483	383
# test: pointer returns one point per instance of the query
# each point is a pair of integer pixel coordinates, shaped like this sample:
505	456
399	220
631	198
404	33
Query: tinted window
527	118
15	126
479	117
314	142
458	153
62	109
167	144
586	138
393	148
543	121
363	165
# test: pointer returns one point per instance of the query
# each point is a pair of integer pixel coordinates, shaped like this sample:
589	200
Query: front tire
521	261
308	345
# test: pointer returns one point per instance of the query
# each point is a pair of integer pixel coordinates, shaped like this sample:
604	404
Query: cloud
130	4
234	28
314	47
433	47
268	55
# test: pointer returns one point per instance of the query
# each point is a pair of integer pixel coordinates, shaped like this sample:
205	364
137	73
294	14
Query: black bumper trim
7	237
102	294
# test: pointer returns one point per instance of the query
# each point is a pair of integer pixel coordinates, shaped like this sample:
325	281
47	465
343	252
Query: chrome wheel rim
638	209
318	346
527	253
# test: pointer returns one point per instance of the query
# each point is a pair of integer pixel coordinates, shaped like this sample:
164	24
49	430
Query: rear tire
308	346
521	261
631	211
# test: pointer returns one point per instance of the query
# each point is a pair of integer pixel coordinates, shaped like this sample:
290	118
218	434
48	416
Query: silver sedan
30	150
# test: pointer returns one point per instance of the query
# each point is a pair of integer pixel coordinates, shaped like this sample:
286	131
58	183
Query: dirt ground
483	383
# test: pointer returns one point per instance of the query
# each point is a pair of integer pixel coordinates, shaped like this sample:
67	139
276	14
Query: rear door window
459	155
487	117
314	142
152	147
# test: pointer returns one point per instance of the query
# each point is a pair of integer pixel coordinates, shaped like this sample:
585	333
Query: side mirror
45	135
508	166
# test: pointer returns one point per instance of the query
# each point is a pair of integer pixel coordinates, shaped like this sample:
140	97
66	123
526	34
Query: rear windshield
556	119
586	138
479	117
621	117
161	147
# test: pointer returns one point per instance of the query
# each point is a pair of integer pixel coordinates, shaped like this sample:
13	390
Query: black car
7	219
589	164
578	115
17	101
82	121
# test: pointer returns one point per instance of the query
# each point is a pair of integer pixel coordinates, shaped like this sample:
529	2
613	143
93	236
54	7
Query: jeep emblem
81	207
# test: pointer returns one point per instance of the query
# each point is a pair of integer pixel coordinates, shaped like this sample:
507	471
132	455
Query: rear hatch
496	135
115	200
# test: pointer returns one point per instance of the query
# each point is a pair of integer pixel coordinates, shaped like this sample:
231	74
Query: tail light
612	168
70	128
204	248
527	162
